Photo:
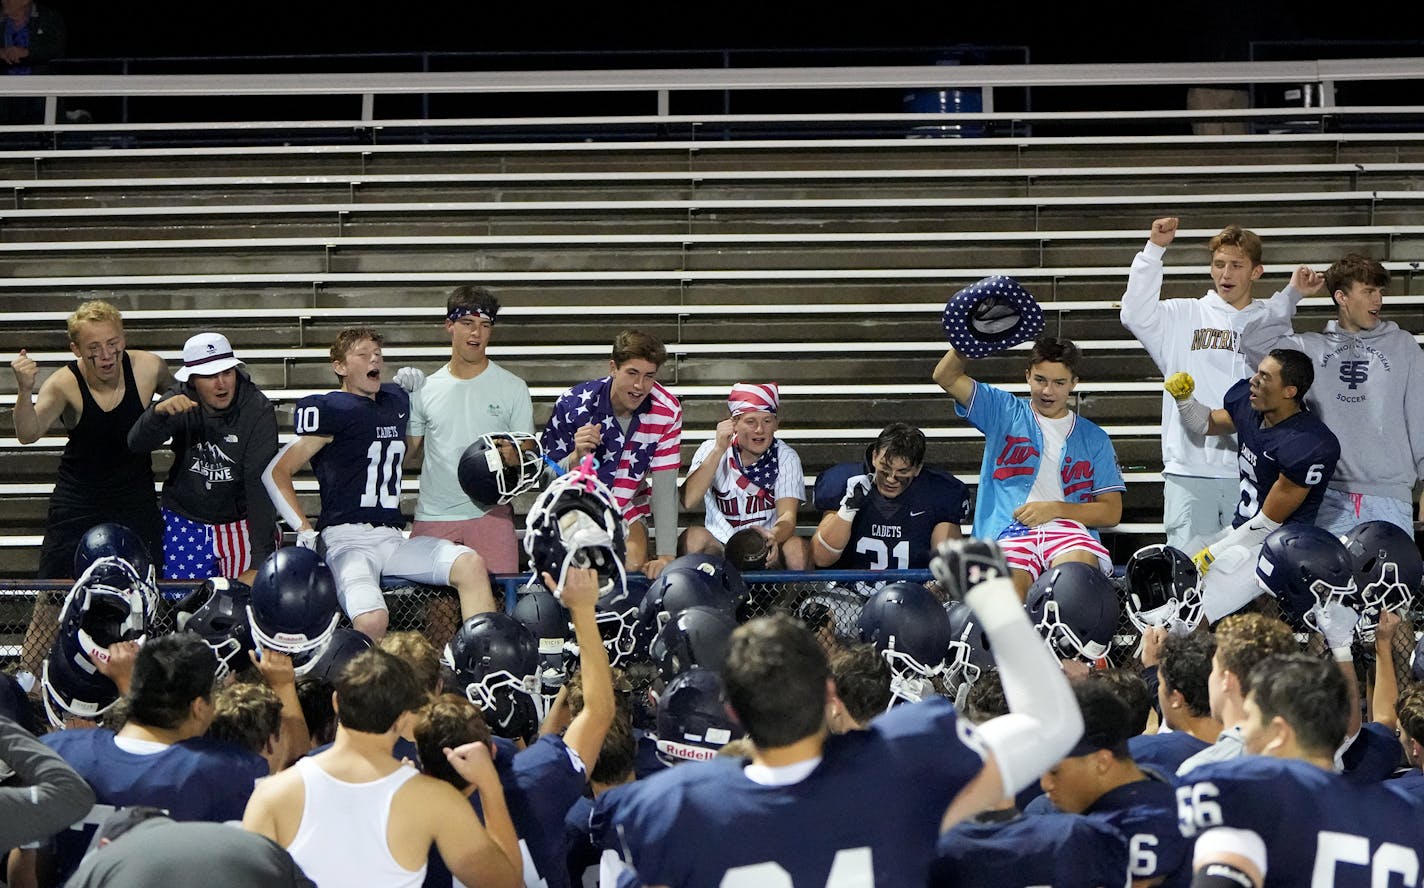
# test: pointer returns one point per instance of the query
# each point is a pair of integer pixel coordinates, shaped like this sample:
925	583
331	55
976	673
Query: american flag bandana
750	397
761	473
465	311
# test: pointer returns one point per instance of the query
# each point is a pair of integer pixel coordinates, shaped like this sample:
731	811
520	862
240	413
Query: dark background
1076	32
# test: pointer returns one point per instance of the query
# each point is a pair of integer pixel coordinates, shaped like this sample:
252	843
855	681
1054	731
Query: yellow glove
1204	558
1180	386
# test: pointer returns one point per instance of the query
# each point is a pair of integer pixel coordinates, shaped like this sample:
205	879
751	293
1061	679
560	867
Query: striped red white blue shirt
625	460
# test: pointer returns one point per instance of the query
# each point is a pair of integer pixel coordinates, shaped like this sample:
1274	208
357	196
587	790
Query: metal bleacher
820	262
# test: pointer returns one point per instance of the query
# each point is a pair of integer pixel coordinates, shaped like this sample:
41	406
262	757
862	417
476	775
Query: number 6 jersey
1301	448
359	472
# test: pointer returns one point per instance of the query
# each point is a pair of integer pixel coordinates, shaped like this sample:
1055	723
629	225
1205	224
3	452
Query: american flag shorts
196	551
1033	549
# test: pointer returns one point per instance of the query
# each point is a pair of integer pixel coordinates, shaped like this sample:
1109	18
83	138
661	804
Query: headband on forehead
749	397
464	311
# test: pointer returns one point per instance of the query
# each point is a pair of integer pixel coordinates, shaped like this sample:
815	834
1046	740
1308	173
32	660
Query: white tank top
342	837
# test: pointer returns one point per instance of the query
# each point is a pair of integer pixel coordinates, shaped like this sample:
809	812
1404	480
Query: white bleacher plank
673	275
695	205
1130	237
798	176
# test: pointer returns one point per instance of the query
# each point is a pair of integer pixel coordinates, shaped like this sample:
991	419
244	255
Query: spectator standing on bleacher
99	399
30	37
1048	476
470	396
217	518
354	439
1369	389
745	476
891	513
633	427
1202	337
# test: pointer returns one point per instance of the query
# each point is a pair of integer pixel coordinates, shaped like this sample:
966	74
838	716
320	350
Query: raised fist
960	565
1163	231
1180	386
26	370
410	379
857	492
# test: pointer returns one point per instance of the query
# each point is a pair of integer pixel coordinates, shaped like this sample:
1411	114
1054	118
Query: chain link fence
829	600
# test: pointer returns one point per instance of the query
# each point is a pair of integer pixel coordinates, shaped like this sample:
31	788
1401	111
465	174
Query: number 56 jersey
359	471
1320	830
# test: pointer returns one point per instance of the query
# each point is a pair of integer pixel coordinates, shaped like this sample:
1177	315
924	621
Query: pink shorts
491	535
1035	551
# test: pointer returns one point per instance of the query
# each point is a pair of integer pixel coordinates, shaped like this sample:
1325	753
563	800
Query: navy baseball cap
990	316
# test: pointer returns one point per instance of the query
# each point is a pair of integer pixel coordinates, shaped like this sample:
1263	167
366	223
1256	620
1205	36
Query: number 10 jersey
359	472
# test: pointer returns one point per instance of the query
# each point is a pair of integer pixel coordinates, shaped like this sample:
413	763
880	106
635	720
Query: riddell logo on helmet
683	751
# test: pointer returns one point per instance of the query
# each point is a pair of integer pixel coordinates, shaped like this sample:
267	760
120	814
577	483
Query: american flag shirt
625	461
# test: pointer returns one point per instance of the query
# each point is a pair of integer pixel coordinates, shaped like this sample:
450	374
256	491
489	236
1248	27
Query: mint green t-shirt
450	414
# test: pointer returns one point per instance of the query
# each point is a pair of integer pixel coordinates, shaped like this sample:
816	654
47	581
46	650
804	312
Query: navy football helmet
217	612
115	541
1304	566
496	662
293	607
1075	608
575	522
110	603
699	636
910	629
969	654
690	581
1162	589
485	477
693	719
548	621
73	687
1388	571
344	646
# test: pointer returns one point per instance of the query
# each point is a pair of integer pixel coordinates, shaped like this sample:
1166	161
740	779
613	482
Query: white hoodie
1197	336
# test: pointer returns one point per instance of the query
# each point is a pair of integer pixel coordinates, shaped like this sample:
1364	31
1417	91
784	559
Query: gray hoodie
1369	389
218	460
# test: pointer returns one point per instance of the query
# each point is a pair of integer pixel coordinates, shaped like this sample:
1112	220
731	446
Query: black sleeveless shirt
96	464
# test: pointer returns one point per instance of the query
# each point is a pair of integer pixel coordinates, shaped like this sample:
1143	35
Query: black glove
960	565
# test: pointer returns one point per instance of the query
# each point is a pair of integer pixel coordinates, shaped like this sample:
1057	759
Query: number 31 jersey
1301	448
359	471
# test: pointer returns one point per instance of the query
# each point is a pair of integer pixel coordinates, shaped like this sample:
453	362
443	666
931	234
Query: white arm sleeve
664	507
1043	721
1196	416
284	508
1251	534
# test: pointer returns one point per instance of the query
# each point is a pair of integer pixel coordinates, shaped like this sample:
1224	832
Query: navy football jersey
1410	783
1145	812
197	779
894	534
1164	753
582	857
359	471
1050	850
1301	448
1319	828
1374	755
868	813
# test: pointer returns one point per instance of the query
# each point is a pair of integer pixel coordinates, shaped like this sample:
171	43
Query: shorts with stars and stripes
193	550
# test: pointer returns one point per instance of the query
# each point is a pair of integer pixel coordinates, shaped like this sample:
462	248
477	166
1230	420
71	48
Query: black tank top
96	463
